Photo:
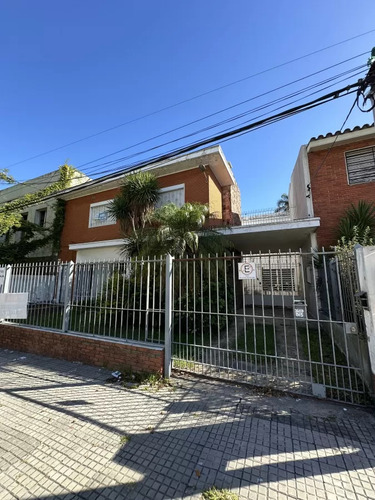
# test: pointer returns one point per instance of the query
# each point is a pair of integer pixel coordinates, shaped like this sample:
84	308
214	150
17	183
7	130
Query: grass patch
95	320
215	494
321	351
146	381
181	364
125	439
258	341
45	316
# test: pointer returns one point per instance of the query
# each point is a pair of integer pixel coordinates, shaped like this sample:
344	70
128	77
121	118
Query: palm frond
361	217
283	203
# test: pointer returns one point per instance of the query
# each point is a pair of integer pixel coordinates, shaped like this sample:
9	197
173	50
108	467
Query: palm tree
134	204
176	230
361	217
283	203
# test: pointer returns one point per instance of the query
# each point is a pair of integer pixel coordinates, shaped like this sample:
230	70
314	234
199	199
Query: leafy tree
358	223
283	203
32	238
6	177
32	235
11	212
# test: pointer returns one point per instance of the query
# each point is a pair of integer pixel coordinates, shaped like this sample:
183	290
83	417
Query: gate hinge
363	299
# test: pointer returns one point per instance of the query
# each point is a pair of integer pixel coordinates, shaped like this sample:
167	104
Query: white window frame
174	188
110	220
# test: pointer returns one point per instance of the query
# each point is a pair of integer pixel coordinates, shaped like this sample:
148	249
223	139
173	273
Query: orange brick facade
76	227
331	193
97	352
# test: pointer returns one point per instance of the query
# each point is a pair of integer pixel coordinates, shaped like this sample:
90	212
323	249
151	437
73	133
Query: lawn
97	321
258	340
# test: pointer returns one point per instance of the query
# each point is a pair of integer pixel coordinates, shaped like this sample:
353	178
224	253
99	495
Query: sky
72	69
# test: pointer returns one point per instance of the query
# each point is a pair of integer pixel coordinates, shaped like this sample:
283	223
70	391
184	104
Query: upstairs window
172	194
360	165
40	217
99	215
19	233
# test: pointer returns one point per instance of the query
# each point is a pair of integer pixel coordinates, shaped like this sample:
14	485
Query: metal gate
293	322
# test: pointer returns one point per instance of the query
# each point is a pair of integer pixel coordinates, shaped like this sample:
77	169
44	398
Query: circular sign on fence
246	271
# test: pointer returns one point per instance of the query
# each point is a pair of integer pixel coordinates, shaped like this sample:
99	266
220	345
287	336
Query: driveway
65	433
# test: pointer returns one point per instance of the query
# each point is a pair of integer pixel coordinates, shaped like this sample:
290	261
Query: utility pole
371	76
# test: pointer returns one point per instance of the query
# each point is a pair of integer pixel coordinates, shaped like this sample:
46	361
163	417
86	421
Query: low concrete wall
92	351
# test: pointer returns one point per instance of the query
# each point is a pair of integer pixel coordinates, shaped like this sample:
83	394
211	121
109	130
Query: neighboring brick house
204	176
329	175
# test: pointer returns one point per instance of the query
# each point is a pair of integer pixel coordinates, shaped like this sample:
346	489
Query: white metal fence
295	324
266	216
113	299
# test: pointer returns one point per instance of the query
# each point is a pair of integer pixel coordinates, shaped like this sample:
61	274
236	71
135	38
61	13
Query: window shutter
279	280
361	165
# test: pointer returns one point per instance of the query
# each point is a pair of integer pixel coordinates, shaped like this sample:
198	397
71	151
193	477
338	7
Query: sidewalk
65	433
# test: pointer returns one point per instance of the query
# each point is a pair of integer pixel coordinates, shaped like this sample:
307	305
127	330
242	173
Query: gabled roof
346	131
357	133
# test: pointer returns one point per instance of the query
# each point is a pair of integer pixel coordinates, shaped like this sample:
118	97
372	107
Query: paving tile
204	433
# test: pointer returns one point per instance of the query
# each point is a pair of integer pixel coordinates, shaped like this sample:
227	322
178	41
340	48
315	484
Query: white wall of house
98	251
32	215
33	185
32	212
300	206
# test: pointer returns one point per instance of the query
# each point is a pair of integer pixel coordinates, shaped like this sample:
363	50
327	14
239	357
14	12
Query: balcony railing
266	216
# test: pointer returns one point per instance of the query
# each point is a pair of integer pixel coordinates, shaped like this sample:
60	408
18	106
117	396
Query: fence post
8	276
5	286
147	298
168	316
68	282
365	257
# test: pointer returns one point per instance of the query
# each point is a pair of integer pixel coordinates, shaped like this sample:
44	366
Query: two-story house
331	172
203	176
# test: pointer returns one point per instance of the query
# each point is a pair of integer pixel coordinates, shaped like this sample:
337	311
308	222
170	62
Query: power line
239	131
229	108
191	98
236	132
210	127
233	118
176	151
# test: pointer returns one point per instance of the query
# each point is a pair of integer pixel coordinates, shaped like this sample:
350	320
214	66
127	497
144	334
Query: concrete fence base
96	351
